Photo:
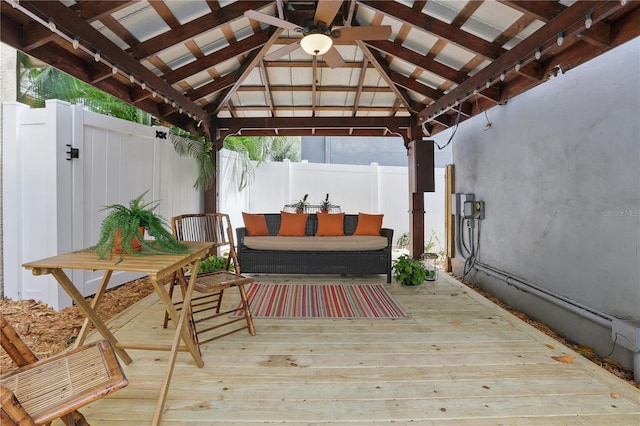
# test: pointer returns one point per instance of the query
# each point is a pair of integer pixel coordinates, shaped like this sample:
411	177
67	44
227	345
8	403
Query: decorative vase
117	248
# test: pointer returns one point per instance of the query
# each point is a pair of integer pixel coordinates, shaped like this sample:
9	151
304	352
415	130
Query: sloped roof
200	64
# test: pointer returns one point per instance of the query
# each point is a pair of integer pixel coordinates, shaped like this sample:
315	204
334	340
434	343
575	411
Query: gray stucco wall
559	170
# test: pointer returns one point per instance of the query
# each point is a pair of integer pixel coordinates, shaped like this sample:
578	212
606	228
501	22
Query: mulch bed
48	332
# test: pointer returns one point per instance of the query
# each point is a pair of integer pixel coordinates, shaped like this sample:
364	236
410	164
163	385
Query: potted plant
300	205
122	230
325	204
408	271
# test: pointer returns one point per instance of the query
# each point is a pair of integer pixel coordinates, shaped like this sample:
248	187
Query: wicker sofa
314	255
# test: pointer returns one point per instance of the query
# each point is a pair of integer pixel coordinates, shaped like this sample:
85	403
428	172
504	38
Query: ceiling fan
318	37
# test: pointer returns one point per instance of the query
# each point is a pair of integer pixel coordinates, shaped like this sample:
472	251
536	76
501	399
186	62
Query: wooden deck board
457	360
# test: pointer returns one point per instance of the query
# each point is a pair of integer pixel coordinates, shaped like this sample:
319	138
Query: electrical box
473	209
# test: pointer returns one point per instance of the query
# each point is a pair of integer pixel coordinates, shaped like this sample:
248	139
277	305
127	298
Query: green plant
122	225
403	241
408	271
213	263
201	150
301	204
325	204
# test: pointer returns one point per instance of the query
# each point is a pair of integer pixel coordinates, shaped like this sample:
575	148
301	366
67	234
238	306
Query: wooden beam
246	69
68	20
96	10
193	28
570	22
317	122
396	133
238	48
545	11
421	61
436	27
384	72
416	86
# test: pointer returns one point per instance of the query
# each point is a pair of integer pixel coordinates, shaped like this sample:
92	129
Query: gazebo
409	69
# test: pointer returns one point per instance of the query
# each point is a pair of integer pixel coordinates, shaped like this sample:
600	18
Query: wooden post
449	218
211	193
421	180
416	233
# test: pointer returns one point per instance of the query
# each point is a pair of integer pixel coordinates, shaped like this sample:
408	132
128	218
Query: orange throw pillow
256	224
368	224
292	224
330	225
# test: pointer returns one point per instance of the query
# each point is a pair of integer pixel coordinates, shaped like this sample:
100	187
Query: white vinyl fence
52	204
355	188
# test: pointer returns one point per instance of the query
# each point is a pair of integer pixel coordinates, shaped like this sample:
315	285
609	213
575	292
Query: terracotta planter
117	248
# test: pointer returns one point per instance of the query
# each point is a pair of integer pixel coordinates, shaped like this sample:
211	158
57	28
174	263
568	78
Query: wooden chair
39	391
215	228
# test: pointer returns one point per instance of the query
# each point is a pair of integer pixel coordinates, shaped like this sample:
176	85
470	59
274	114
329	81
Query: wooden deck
457	360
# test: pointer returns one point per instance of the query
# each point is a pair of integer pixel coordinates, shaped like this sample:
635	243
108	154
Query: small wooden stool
40	391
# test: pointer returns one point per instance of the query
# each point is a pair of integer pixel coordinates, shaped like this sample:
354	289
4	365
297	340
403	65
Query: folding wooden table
158	267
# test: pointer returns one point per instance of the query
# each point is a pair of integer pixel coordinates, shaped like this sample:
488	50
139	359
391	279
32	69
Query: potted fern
122	230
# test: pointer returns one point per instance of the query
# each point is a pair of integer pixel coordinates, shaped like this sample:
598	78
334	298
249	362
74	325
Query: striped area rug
322	301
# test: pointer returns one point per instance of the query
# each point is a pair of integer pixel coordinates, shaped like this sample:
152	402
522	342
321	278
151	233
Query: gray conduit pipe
599	318
572	306
577	308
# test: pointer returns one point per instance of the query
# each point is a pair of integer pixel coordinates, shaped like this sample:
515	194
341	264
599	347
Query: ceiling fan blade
326	11
271	20
333	58
277	54
371	32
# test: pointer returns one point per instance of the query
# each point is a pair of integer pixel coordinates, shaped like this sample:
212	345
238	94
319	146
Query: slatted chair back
39	391
208	227
214	228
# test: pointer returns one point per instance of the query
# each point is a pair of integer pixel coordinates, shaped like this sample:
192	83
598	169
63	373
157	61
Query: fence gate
61	165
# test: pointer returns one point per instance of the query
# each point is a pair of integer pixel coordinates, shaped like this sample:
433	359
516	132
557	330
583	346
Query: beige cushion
346	243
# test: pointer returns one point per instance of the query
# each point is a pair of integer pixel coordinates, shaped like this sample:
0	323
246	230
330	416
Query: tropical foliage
261	149
201	150
39	82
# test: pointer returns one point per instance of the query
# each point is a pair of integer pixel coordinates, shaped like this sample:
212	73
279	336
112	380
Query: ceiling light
316	44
